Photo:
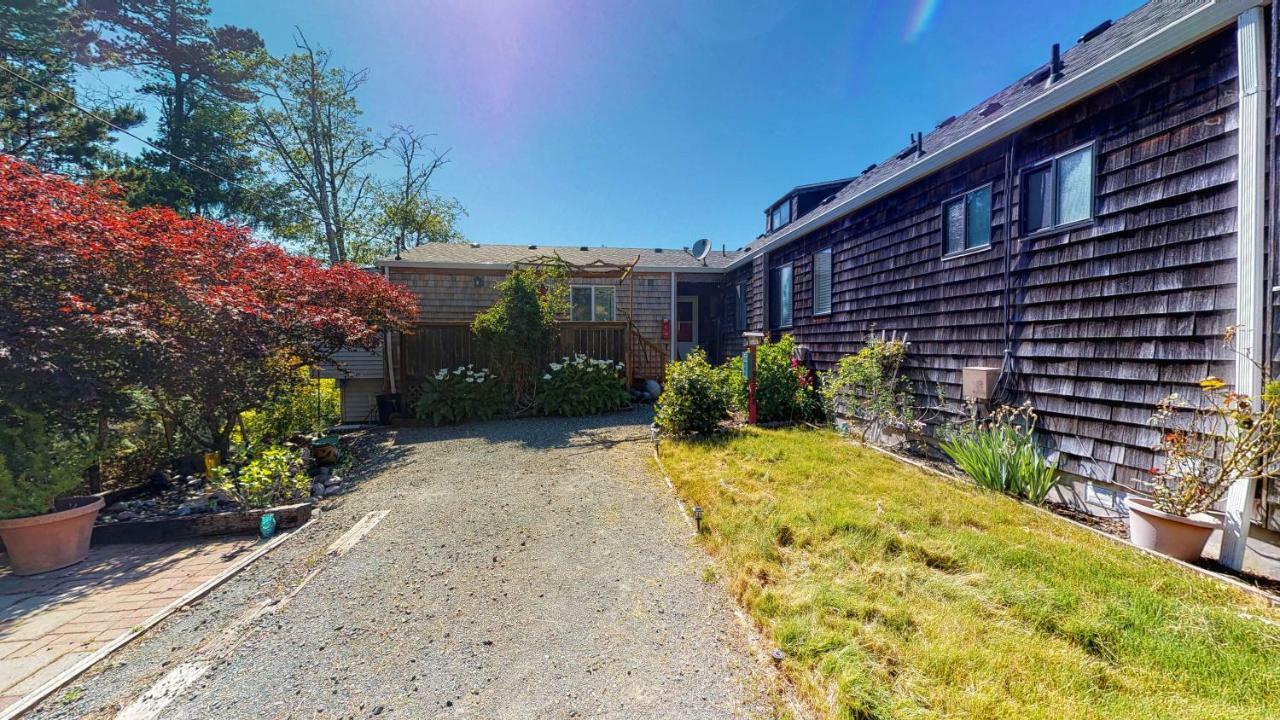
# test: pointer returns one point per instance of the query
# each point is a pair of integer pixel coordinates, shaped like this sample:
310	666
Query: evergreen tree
38	120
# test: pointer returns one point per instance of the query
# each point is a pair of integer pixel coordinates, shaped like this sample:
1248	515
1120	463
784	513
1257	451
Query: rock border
235	522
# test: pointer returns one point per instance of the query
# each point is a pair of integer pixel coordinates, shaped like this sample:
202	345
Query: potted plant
1208	446
40	531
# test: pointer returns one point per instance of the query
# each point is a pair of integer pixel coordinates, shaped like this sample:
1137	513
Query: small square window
588	303
967	221
1059	192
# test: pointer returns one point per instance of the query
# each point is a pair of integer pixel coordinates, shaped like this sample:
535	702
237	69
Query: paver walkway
50	622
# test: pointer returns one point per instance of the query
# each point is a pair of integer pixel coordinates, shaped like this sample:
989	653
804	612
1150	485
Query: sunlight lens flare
918	21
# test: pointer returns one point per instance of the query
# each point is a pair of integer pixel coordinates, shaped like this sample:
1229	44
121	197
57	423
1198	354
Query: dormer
799	201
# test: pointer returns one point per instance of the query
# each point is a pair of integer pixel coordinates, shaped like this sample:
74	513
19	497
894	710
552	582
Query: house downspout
671	325
1251	293
388	361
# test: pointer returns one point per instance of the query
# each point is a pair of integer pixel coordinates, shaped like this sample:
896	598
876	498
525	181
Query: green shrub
697	398
304	406
783	393
1000	453
519	332
729	375
870	387
583	386
37	464
274	477
461	394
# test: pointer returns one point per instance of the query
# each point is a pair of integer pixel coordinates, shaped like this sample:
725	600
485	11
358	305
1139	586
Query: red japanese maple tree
98	299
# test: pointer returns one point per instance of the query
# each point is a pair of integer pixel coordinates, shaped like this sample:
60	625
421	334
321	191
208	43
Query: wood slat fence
432	346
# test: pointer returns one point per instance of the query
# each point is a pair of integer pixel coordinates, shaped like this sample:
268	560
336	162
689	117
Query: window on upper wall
1058	192
966	221
822	282
740	307
591	303
779	216
780	297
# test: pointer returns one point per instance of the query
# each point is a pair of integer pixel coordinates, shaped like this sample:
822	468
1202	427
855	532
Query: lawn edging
38	695
755	638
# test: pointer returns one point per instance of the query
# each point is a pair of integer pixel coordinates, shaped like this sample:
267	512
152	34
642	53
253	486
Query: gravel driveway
526	569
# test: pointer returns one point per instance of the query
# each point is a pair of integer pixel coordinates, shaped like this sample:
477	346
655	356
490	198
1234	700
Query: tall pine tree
38	120
201	77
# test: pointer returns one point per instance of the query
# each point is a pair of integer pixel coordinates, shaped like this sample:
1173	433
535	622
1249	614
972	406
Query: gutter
1188	29
505	267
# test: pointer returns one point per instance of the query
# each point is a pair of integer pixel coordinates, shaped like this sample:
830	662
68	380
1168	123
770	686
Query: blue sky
659	122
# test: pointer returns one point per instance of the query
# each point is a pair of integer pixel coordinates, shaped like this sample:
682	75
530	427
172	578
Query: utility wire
125	131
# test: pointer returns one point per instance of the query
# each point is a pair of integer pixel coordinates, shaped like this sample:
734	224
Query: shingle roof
1142	22
505	255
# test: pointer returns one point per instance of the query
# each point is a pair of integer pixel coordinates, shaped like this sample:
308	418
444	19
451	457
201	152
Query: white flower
479	379
556	366
547	376
458	371
471	379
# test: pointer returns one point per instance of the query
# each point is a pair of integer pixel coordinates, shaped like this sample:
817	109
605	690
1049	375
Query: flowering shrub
784	390
460	394
1208	446
870	386
582	386
697	396
1000	453
274	477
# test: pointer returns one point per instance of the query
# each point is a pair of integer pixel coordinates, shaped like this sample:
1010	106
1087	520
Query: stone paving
50	622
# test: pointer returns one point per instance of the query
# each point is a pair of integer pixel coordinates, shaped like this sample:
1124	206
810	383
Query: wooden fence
432	346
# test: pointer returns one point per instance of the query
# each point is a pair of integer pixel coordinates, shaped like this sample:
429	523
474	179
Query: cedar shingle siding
1106	318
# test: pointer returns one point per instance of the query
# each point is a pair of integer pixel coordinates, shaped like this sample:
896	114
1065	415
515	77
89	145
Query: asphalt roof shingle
505	255
1128	30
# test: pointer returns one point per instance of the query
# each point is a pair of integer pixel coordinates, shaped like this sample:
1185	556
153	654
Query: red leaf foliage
97	296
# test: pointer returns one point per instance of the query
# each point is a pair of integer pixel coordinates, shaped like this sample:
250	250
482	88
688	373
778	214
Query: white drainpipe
386	345
671	325
1251	292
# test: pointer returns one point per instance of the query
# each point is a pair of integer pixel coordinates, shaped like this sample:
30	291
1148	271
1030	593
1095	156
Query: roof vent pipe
1095	31
1055	64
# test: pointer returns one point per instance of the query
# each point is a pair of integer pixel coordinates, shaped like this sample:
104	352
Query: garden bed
233	522
894	592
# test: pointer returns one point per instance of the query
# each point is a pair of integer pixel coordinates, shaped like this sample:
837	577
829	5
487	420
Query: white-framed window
780	297
740	307
779	216
591	303
822	282
1059	191
966	221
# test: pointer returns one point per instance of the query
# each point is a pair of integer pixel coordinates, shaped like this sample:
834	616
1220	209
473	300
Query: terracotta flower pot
1178	537
53	540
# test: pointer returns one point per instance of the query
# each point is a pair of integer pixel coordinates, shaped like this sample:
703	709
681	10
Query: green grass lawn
896	593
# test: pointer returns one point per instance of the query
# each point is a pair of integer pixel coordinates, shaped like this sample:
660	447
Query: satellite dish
701	249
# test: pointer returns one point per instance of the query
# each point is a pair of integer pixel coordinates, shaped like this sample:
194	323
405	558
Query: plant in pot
1207	447
40	530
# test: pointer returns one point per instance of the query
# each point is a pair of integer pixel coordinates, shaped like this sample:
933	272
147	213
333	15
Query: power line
125	131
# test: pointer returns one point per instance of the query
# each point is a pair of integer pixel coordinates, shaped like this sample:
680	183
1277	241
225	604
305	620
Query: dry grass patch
899	594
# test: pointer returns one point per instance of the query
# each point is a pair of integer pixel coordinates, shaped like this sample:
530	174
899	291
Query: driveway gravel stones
526	569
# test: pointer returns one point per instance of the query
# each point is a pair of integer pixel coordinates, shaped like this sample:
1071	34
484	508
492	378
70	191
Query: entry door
686	325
